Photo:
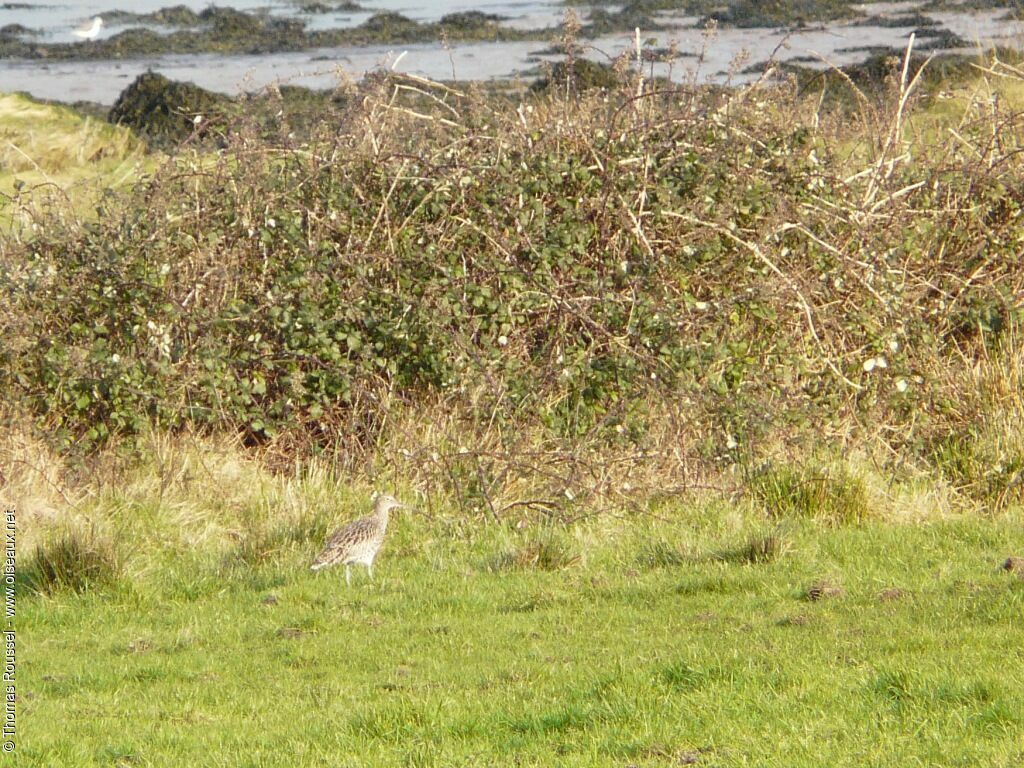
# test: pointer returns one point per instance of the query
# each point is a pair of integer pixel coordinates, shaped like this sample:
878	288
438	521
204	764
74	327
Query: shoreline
733	57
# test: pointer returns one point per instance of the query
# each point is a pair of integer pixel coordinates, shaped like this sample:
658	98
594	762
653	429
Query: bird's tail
323	560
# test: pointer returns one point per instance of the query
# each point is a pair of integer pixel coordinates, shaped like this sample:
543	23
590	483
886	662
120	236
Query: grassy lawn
646	644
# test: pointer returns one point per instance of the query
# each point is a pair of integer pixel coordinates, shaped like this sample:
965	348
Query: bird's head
383	504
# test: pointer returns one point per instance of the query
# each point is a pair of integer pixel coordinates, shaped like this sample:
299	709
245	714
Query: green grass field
645	644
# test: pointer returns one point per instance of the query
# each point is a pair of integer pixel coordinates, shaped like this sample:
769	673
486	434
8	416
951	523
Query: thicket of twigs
572	296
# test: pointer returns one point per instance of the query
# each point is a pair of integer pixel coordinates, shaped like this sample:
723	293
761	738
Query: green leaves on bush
569	264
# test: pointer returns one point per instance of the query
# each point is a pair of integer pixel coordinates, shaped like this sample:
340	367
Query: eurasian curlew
359	541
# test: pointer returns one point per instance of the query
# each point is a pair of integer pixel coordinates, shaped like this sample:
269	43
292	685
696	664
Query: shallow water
102	81
56	19
718	59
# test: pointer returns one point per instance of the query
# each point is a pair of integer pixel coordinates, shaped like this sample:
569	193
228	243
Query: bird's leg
348	576
369	570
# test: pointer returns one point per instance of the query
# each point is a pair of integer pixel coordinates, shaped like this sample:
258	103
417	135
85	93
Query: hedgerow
655	268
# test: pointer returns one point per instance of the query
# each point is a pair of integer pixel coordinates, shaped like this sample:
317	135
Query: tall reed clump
579	288
72	560
832	494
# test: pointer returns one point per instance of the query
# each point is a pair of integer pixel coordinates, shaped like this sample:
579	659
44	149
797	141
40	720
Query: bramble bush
687	270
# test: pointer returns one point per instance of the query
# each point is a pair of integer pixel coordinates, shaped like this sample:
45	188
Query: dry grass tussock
49	139
54	162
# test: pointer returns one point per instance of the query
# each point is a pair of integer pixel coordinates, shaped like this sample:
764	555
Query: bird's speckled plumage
359	541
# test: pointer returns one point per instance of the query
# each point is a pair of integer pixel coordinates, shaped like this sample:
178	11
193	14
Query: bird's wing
343	538
355	530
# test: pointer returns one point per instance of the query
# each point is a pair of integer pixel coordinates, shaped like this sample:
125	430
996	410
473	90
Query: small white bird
89	31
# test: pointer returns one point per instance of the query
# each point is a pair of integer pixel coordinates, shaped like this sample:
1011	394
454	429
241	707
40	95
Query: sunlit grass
52	156
445	661
677	633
